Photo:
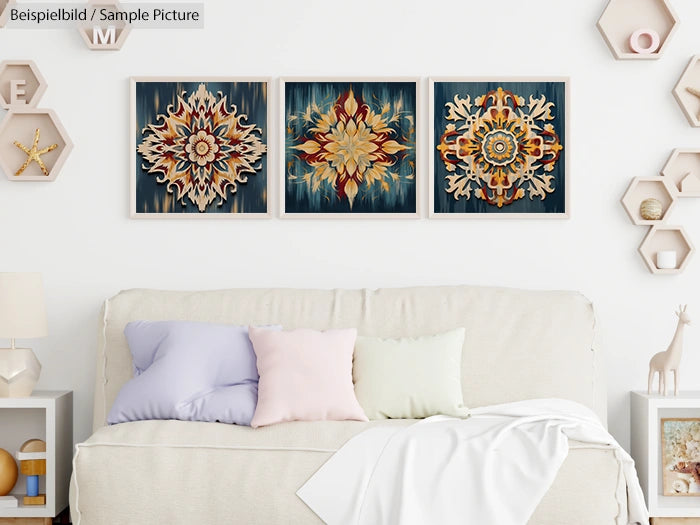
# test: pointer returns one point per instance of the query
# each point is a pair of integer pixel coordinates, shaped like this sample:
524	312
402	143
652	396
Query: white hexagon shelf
642	188
683	170
3	11
100	39
662	238
33	86
21	127
621	18
687	92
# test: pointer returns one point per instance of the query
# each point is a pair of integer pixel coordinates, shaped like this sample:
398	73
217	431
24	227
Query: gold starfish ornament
34	154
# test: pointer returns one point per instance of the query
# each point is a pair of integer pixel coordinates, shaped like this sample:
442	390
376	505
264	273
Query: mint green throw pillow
410	378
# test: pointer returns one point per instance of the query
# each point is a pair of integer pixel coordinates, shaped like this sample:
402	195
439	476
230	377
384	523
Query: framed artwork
199	148
498	148
680	456
350	148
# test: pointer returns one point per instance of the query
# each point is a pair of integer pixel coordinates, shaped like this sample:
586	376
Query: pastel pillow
410	378
305	375
189	371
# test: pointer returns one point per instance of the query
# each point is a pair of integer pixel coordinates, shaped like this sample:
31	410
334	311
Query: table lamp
22	316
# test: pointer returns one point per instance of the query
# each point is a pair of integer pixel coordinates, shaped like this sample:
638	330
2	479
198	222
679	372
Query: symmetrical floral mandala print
202	149
499	147
347	149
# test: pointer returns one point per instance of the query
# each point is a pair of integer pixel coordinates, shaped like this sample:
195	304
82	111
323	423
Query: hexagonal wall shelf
663	237
3	11
33	87
621	18
20	126
687	92
683	170
94	40
642	188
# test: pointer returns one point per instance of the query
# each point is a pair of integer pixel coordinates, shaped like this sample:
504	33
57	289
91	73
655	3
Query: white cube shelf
46	415
646	413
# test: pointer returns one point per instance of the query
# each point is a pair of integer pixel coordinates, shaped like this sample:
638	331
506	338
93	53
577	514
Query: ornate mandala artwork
201	150
350	147
499	150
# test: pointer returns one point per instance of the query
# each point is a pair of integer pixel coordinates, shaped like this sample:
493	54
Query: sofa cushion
410	377
188	371
227	471
305	375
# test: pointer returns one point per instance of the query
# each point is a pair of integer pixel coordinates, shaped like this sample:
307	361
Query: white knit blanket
492	468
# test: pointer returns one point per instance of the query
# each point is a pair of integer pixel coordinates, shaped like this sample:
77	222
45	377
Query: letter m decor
106	38
103	31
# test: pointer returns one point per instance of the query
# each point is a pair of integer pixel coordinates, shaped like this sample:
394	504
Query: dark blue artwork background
153	99
554	92
297	96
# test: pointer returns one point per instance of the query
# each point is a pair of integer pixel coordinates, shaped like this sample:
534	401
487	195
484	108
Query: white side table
48	416
646	414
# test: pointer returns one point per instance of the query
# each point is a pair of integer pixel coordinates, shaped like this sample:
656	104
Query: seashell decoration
681	486
651	209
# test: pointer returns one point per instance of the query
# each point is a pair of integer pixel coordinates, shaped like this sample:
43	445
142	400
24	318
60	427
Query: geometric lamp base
19	372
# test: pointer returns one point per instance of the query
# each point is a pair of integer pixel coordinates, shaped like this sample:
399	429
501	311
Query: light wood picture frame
350	148
680	456
499	148
185	165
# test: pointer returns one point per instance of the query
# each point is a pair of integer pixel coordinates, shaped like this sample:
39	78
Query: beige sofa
519	345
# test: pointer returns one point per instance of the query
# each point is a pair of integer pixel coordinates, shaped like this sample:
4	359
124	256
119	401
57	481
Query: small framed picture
349	148
680	456
499	148
199	148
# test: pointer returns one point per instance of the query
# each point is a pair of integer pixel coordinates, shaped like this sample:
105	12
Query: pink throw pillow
305	375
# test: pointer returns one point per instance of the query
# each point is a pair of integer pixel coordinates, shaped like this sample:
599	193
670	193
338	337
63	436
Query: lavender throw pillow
188	371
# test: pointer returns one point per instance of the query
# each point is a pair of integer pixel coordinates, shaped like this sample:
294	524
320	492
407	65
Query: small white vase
19	372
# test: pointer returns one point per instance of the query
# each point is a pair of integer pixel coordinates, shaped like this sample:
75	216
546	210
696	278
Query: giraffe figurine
664	362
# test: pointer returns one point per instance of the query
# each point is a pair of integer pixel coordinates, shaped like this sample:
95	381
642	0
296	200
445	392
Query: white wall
624	123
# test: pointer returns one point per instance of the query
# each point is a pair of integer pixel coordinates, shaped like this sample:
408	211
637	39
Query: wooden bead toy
32	463
8	472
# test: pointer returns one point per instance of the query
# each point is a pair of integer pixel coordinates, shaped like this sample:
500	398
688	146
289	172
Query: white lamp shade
22	308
